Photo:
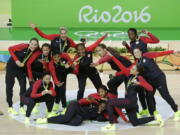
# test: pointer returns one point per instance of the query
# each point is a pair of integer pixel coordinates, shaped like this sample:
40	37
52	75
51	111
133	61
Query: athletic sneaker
109	127
64	111
12	111
152	123
155	122
22	111
51	114
177	116
56	107
35	110
27	120
144	112
41	121
156	112
159	119
138	115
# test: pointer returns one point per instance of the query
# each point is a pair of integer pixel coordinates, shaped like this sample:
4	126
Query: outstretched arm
150	39
152	55
94	45
43	35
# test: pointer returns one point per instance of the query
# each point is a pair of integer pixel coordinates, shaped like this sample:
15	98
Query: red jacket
151	39
126	71
52	68
97	97
30	62
37	85
53	36
15	48
90	48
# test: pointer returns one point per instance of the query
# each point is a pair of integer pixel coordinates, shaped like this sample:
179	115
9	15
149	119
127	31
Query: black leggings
147	100
131	109
72	116
61	91
160	84
114	83
31	102
95	79
11	74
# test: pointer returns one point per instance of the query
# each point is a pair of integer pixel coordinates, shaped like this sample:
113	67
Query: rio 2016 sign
97	13
90	15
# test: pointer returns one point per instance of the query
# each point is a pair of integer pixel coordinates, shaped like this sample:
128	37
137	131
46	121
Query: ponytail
109	49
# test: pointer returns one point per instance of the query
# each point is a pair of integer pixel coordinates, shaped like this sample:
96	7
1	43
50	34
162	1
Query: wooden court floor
9	126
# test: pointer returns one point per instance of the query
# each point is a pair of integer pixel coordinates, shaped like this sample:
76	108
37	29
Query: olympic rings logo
95	34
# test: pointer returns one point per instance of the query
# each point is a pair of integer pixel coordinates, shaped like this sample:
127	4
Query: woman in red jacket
41	91
60	67
135	82
82	62
59	42
16	69
102	95
155	76
139	41
38	63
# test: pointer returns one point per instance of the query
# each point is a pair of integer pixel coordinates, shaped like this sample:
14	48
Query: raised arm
125	44
72	43
152	55
94	45
123	69
46	36
150	39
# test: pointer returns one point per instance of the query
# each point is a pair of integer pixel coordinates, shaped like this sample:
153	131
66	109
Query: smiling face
81	50
101	51
47	78
137	53
132	35
63	33
56	58
45	50
33	45
102	92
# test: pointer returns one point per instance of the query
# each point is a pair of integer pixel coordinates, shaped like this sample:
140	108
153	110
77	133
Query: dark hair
103	87
132	30
83	40
35	39
109	49
46	73
55	53
46	45
81	44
